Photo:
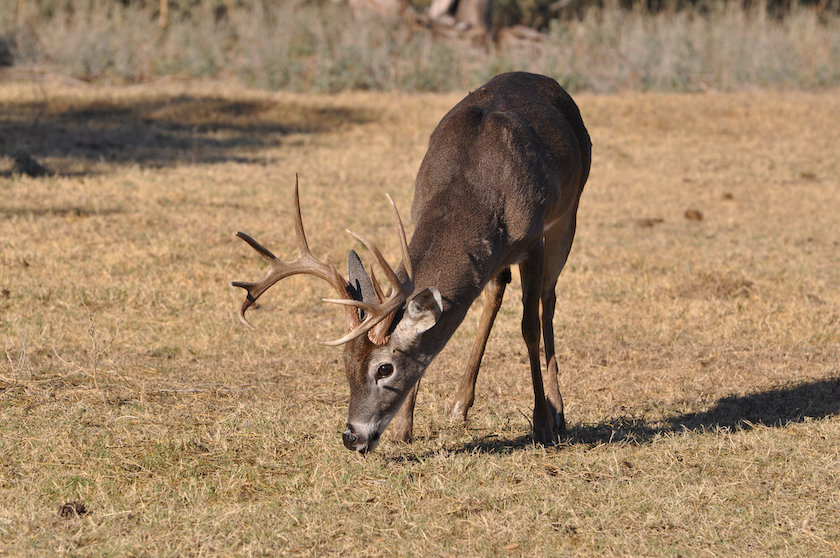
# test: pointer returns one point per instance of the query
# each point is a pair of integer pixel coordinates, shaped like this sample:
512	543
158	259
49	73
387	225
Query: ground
697	328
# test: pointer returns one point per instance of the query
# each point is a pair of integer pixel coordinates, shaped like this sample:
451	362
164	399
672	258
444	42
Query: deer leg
494	292
531	270
402	425
552	387
558	244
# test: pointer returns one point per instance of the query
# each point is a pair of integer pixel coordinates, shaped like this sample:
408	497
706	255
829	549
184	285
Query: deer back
505	162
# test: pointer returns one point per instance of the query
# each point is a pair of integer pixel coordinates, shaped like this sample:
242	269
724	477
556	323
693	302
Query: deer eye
384	371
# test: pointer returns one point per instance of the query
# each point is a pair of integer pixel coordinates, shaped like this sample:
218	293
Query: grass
698	357
722	47
310	46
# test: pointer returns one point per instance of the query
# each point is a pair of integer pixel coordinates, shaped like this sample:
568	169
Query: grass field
698	330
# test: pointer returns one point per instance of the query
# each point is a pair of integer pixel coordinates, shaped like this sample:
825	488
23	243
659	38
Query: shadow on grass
162	131
774	408
60	211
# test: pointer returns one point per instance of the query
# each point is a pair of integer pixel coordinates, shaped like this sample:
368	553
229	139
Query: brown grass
321	46
698	357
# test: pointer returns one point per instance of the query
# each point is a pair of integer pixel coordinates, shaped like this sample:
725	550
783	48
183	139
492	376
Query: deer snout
349	438
358	441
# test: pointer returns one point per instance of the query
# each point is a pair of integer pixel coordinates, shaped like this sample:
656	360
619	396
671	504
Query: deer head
383	356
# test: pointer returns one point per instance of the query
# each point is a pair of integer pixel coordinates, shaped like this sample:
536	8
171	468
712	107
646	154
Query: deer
499	186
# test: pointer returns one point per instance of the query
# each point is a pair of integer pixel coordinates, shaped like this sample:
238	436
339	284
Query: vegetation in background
319	46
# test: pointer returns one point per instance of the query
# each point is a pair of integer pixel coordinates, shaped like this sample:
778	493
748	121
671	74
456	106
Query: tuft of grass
698	358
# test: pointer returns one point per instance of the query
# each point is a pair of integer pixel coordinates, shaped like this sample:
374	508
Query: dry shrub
725	47
319	46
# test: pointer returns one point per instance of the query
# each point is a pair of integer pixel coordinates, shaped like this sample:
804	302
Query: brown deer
499	185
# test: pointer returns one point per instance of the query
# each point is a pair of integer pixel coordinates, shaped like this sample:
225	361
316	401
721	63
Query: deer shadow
774	408
160	131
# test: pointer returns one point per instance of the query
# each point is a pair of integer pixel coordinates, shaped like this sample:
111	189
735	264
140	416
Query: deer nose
359	442
349	438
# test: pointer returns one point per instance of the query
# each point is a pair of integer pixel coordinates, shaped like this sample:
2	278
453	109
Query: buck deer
499	185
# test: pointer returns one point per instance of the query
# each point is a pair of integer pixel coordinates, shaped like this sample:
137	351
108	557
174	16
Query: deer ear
359	280
423	311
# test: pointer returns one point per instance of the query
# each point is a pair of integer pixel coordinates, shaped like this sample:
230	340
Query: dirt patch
716	284
71	510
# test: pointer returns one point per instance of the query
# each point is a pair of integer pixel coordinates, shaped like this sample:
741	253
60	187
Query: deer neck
459	270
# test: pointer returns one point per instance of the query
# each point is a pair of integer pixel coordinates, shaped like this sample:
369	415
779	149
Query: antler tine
377	289
254	290
383	263
278	269
303	246
305	263
379	333
403	244
379	317
374	315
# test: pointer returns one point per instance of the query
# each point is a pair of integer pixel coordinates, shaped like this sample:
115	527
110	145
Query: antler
377	316
305	263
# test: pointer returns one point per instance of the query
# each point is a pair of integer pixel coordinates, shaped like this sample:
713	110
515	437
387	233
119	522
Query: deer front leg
493	293
532	279
402	426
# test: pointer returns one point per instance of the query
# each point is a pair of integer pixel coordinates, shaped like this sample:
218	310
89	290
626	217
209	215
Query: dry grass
320	46
699	358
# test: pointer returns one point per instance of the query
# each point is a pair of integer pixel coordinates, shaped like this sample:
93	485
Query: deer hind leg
552	387
402	426
531	270
494	292
558	244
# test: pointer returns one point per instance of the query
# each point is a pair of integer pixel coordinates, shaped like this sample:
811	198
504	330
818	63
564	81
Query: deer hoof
545	431
545	436
400	433
459	411
559	423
